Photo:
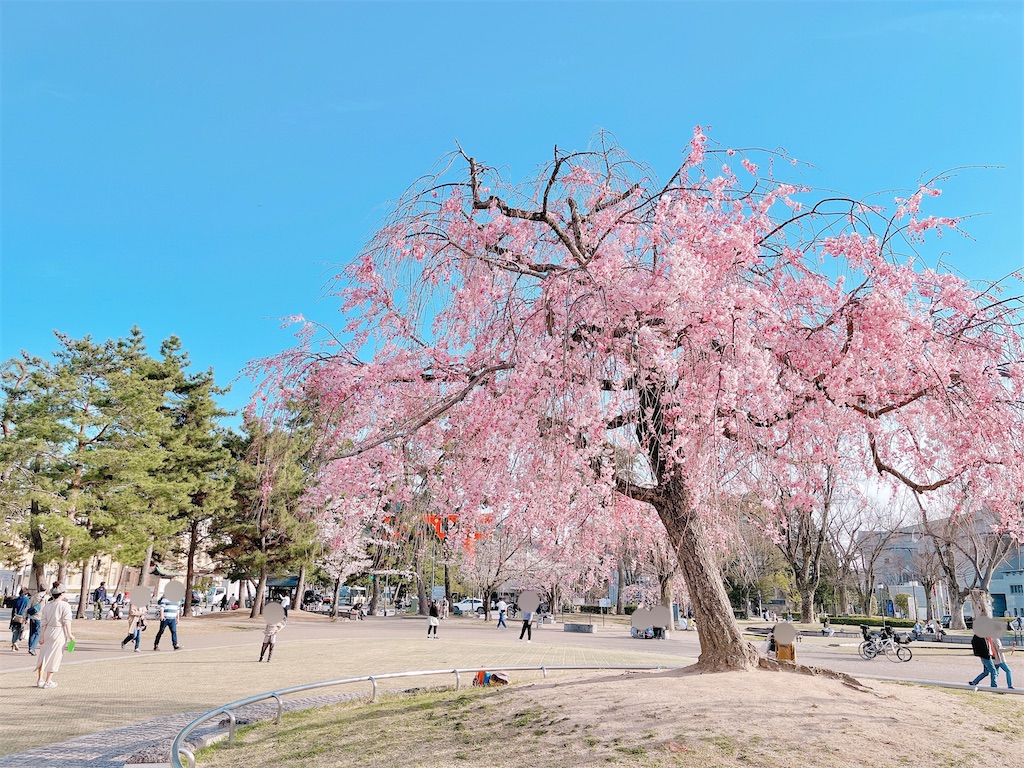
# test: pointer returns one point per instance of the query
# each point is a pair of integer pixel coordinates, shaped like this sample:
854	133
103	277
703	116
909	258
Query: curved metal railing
178	747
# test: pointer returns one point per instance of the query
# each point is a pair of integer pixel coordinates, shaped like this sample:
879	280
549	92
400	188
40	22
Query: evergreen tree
82	436
197	460
267	530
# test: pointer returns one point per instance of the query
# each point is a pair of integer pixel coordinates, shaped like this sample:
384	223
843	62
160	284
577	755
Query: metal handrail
178	747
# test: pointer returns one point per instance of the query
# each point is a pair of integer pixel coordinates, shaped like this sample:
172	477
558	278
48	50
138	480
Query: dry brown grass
758	718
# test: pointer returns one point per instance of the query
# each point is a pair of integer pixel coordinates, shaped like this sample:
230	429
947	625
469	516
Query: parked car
947	619
469	605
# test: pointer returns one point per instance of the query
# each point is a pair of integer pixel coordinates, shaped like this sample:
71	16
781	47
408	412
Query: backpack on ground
483	678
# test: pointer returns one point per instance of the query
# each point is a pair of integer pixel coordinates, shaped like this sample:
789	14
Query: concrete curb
944	684
200	742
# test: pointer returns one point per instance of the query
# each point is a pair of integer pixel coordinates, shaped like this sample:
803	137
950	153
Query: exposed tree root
787	666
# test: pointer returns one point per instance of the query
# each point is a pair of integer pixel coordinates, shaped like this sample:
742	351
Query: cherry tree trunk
722	646
844	600
956	599
665	590
374	595
337	593
981	602
447	581
929	610
619	599
807	604
866	602
421	587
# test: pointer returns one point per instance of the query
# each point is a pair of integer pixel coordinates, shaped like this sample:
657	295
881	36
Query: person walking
35	613
502	610
270	639
136	626
19	616
433	620
527	626
982	648
56	630
1017	627
999	661
169	612
99	597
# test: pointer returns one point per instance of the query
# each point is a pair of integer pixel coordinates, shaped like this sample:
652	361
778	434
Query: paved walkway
111	704
113	747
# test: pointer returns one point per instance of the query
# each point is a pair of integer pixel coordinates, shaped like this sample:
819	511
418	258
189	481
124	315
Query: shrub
871	621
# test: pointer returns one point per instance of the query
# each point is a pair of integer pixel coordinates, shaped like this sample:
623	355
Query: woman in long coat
136	623
56	630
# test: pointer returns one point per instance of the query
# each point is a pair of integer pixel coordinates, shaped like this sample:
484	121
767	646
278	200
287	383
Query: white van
216	594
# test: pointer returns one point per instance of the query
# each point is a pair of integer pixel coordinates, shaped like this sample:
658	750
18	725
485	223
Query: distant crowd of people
47	616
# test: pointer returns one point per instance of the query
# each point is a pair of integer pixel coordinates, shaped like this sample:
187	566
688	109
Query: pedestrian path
113	747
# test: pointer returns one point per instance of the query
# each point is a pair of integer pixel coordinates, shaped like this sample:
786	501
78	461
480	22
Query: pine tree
82	435
267	530
197	460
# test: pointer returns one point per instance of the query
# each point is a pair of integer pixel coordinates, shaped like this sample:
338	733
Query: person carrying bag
136	626
18	613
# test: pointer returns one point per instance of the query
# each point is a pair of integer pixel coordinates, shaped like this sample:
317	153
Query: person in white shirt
168	620
502	610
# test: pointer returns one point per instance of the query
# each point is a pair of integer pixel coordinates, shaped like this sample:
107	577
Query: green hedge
871	621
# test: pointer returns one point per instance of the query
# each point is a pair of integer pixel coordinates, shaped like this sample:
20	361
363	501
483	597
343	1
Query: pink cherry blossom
530	355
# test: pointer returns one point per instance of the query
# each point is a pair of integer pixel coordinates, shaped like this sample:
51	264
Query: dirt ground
754	719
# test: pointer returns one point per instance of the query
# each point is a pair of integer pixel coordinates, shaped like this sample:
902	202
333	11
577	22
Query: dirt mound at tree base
679	718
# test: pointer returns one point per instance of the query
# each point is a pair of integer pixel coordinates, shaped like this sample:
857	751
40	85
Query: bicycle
887	642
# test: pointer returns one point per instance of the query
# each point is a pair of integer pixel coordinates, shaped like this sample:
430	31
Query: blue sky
199	169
